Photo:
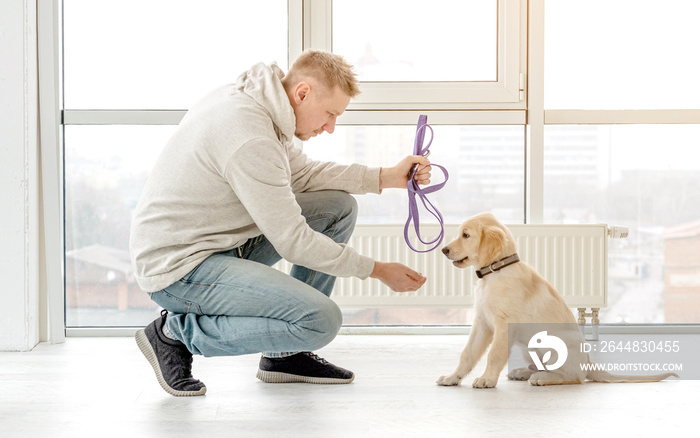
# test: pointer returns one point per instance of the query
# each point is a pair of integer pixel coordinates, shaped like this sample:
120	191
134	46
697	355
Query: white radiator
574	258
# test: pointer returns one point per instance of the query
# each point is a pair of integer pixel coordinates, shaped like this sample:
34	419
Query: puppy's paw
544	378
520	374
541	378
451	380
484	382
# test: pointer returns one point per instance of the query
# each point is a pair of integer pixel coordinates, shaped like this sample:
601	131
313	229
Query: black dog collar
497	266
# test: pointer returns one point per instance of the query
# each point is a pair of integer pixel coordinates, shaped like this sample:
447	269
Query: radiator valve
618	232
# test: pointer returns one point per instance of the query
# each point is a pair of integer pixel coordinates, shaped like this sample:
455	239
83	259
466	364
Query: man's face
317	109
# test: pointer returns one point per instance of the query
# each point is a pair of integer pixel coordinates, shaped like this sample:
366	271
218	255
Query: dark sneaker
303	367
170	359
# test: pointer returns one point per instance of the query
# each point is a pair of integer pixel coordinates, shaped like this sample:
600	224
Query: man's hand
398	277
397	177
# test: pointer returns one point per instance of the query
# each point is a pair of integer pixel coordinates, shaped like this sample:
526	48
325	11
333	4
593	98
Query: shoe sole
147	350
276	377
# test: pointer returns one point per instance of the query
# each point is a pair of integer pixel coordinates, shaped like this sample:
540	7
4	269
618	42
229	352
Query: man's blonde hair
329	69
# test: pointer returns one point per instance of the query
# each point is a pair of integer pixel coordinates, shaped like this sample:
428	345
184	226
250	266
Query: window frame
309	22
310	26
507	92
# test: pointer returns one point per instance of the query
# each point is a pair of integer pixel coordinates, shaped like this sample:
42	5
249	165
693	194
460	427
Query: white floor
103	387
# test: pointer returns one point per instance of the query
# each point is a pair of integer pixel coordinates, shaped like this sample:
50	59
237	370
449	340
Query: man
229	196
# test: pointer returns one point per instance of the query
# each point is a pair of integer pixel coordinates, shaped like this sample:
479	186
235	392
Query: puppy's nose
446	250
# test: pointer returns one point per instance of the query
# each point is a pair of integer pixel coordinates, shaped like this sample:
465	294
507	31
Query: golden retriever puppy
510	291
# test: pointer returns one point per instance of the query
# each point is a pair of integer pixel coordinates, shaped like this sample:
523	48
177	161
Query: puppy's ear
491	245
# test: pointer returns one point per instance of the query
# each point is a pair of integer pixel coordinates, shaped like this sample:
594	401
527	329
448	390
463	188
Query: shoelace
414	189
316	357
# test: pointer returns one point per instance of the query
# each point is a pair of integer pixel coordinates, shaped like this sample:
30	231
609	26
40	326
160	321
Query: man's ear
491	245
301	92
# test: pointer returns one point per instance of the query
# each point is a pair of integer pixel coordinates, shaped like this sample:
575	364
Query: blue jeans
235	303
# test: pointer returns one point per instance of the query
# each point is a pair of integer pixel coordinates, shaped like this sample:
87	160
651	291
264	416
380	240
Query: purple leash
414	190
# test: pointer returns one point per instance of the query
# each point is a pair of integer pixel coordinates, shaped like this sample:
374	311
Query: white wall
19	177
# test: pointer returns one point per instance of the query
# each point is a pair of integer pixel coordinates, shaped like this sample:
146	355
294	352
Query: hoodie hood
263	83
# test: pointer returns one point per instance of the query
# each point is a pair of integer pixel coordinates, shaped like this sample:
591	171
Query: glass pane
485	165
165	54
646	178
415	41
621	54
105	170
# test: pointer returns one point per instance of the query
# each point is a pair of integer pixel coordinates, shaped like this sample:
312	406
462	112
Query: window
129	77
610	136
621	54
164	54
119	66
369	41
644	177
486	165
106	168
466	54
620	146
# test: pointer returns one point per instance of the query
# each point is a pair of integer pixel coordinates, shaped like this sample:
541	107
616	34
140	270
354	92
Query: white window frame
52	305
507	92
501	102
309	26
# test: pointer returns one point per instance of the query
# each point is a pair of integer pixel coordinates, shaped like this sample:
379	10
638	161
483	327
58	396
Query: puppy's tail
596	374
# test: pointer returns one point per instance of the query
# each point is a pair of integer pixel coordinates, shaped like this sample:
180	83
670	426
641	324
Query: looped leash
414	190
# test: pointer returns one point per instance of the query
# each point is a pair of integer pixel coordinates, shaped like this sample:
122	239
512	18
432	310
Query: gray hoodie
229	173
